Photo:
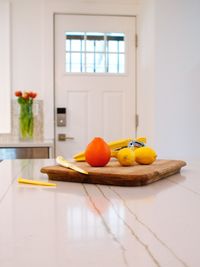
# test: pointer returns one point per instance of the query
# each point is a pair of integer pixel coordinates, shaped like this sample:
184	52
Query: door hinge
136	121
136	40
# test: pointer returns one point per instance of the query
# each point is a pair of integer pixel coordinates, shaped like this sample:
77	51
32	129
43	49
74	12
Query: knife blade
63	162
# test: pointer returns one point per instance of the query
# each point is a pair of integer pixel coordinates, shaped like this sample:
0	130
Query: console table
23	150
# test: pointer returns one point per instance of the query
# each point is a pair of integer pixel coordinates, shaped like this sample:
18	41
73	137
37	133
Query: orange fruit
97	152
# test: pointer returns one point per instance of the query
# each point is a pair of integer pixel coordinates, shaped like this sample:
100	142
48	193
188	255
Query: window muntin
95	52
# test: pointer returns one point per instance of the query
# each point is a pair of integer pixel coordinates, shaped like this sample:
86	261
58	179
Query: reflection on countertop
86	225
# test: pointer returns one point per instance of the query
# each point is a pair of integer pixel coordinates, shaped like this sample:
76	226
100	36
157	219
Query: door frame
54	54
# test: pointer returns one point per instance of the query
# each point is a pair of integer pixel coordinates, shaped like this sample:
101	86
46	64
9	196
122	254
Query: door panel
97	104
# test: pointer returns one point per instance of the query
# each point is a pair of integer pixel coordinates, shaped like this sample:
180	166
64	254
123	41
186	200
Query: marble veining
185	187
130	228
109	231
147	227
85	225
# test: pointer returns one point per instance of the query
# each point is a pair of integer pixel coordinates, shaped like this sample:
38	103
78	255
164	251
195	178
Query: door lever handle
63	137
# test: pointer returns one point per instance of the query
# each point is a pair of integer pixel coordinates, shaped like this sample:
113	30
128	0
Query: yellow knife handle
34	182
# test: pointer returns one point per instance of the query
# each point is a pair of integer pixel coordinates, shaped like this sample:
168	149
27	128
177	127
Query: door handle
63	137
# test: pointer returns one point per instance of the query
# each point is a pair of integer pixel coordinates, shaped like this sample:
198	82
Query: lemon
145	155
126	156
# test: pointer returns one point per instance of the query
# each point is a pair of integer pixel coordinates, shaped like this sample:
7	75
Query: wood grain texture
115	174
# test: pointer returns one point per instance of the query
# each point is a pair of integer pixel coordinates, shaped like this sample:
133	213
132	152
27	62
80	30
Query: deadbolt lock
61	117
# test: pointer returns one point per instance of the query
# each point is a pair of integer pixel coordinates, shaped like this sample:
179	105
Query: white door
94	80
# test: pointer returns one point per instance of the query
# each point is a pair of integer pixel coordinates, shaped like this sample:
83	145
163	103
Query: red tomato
18	93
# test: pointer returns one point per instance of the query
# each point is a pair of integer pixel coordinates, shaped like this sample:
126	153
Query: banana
119	143
114	153
141	139
114	145
79	157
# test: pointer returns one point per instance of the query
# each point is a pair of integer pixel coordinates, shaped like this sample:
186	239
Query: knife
63	162
34	182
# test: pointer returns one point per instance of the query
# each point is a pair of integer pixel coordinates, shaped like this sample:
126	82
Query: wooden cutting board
115	174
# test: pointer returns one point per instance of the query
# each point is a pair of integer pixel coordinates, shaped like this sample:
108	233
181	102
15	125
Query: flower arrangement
25	100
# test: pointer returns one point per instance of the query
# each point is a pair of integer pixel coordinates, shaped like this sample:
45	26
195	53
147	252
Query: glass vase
26	121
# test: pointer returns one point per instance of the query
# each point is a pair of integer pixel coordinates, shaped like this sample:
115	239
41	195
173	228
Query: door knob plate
63	137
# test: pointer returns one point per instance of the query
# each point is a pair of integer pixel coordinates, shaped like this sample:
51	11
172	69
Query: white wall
169	76
177	78
32	42
146	70
168	63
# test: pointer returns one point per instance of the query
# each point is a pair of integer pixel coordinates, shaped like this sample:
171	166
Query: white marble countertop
34	143
85	225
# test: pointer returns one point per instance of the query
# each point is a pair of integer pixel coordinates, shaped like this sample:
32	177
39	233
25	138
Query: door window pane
90	46
100	46
100	62
76	45
112	63
95	52
121	64
121	47
74	62
89	62
74	41
95	42
112	46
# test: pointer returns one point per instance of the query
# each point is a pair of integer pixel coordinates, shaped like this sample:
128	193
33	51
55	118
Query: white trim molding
5	83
